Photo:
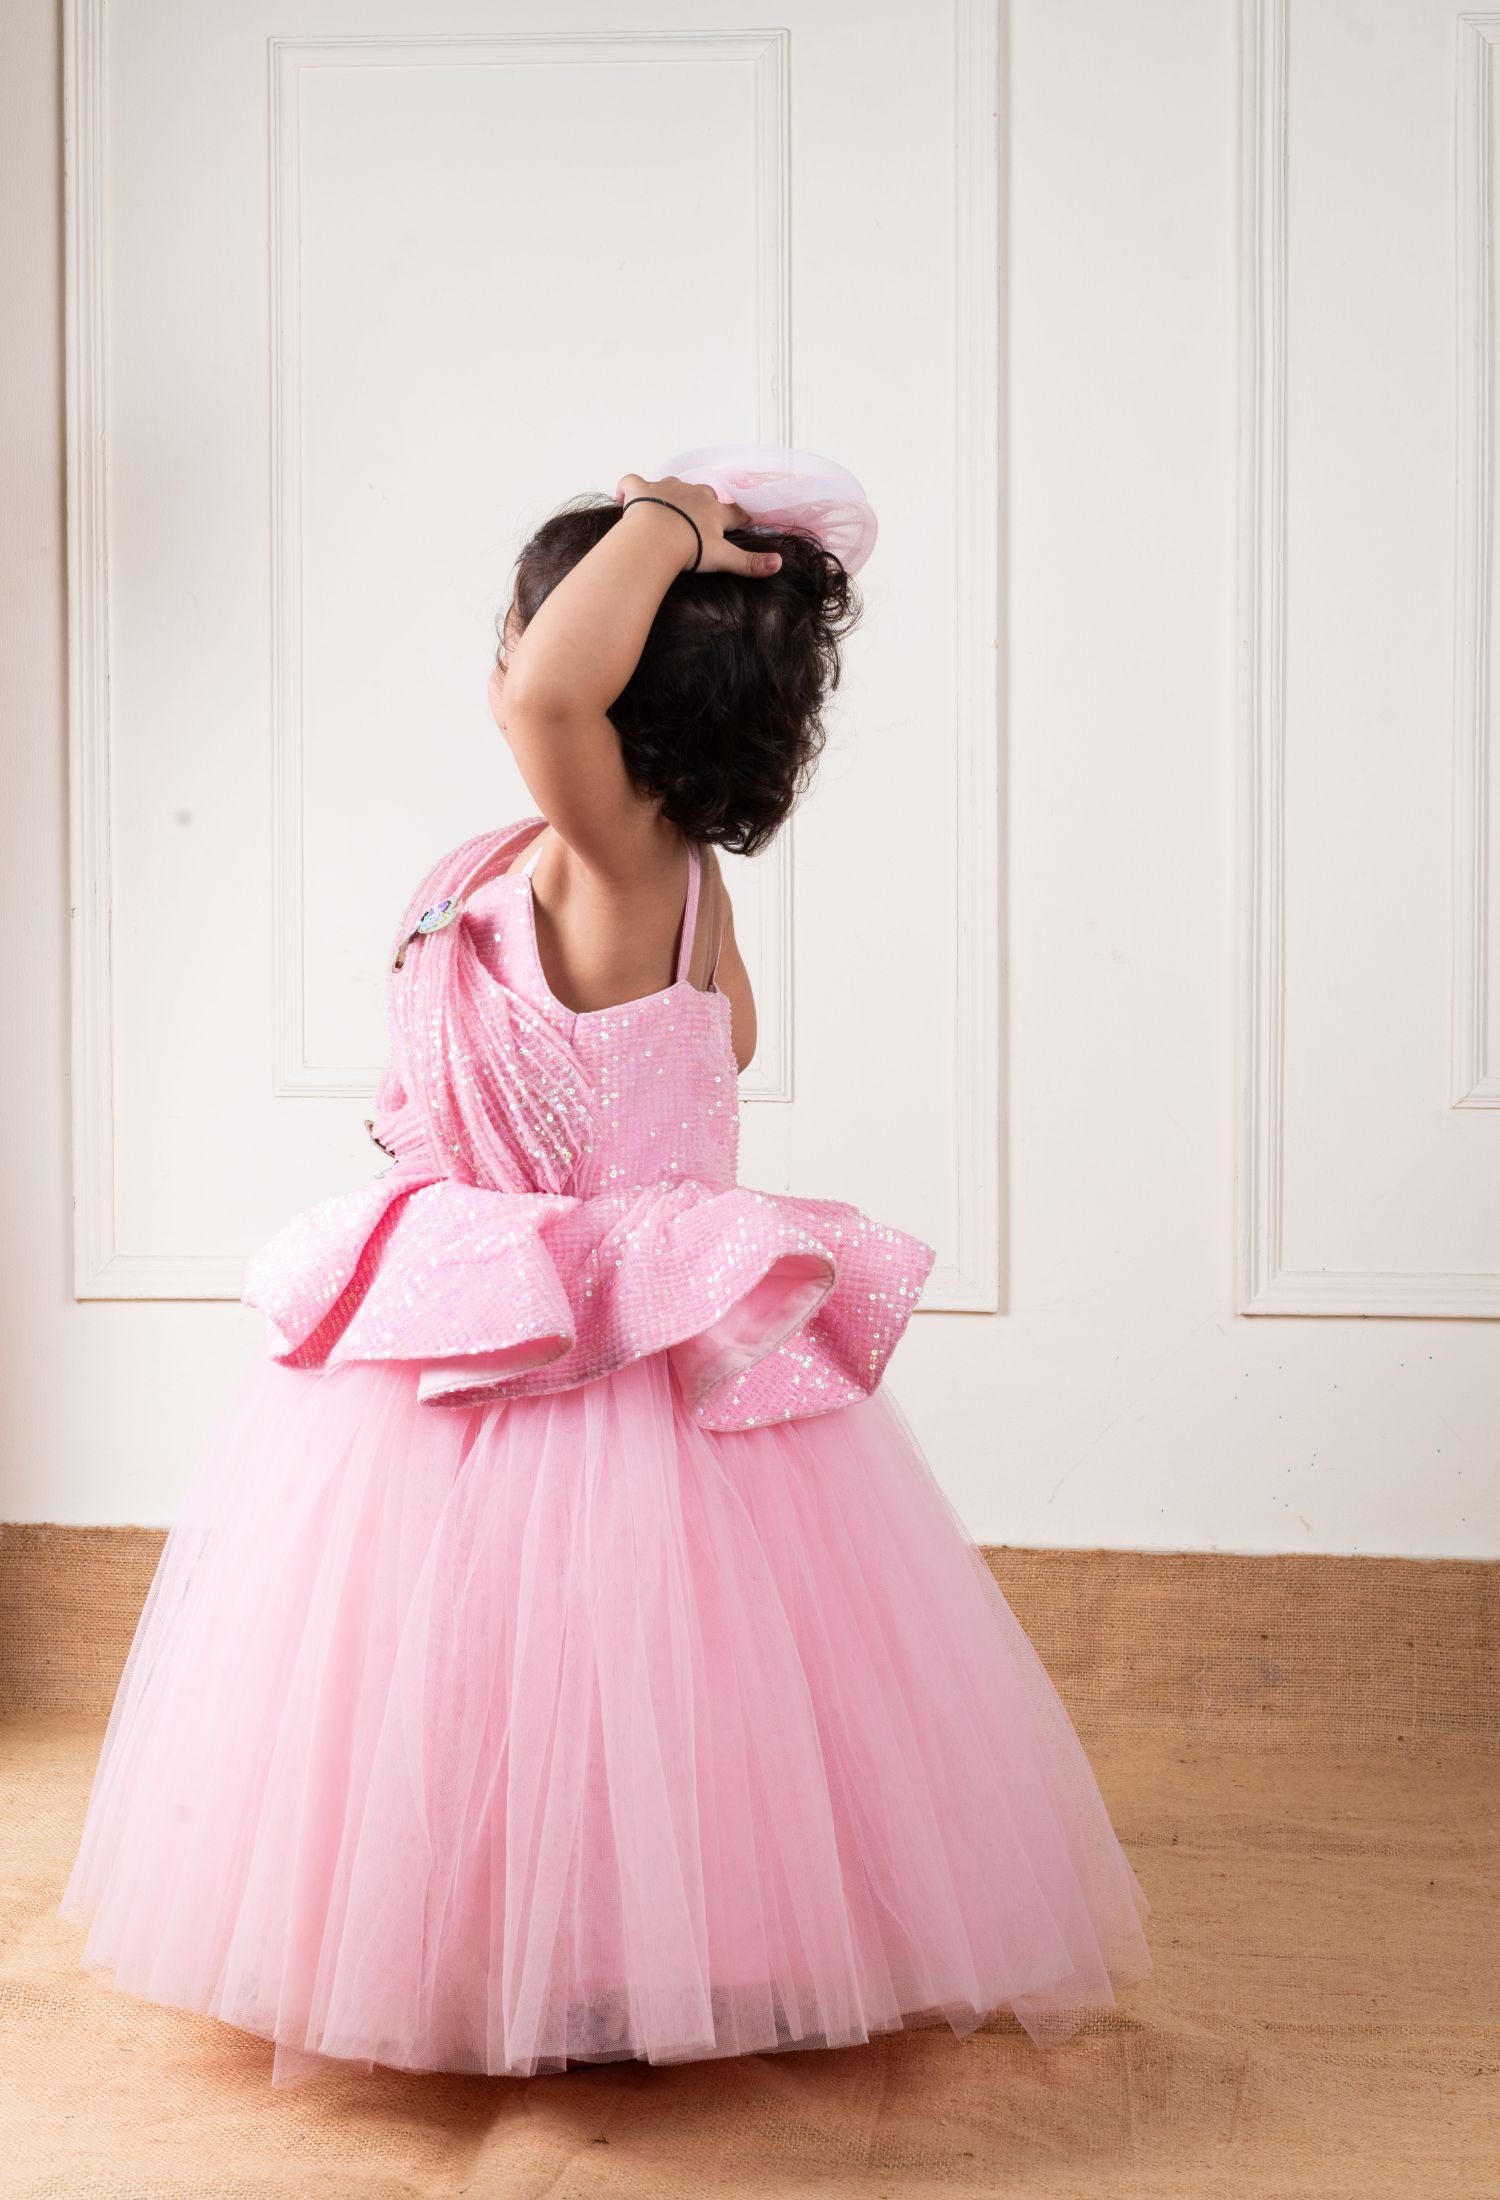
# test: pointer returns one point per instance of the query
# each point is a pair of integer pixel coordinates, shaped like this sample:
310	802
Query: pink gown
564	1651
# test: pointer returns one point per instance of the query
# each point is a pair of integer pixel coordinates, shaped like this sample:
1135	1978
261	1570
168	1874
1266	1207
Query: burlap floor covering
1300	1755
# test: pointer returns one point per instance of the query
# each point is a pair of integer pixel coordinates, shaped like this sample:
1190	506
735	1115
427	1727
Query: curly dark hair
721	721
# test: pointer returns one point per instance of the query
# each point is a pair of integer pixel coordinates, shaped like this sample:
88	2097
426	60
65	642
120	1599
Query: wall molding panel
1476	1077
967	1274
767	54
100	1269
1264	1283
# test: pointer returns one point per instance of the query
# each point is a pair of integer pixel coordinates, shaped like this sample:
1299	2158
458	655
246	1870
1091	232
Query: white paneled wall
1244	1234
428	282
1370	1176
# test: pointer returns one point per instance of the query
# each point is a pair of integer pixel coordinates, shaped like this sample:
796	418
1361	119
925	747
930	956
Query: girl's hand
711	519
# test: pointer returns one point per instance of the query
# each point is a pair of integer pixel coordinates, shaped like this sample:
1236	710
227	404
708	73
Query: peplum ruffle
770	1307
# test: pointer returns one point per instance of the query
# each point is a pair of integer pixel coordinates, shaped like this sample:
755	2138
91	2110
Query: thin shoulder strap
721	903
708	941
690	912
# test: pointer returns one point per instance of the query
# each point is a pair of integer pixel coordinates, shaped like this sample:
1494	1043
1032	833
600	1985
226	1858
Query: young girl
564	1651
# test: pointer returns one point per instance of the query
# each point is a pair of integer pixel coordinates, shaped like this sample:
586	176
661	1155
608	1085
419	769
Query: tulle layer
772	1307
502	1737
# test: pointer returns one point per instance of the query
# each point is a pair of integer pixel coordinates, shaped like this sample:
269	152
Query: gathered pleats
490	1738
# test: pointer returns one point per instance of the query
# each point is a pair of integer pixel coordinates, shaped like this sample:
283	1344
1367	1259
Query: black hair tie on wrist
671	507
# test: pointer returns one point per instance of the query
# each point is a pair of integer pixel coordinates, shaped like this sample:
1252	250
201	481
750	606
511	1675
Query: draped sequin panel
563	1198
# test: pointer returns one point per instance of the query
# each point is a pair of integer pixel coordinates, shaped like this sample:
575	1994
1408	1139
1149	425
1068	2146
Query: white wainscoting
306	1065
1369	1114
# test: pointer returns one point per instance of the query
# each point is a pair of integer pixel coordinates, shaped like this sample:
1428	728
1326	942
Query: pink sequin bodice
563	1194
662	1068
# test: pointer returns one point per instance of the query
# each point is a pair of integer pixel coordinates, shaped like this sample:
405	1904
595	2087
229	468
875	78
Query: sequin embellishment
563	1196
446	911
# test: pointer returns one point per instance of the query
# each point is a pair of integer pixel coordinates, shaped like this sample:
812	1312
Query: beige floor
1298	1755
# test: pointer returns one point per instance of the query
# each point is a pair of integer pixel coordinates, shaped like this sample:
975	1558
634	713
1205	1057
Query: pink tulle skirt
494	1738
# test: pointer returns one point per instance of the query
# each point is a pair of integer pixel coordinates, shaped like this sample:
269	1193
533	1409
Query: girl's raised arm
578	651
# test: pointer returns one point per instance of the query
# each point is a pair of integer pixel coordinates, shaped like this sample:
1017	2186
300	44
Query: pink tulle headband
784	488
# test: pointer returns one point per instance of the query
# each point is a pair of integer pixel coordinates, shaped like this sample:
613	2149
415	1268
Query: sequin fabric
563	1197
